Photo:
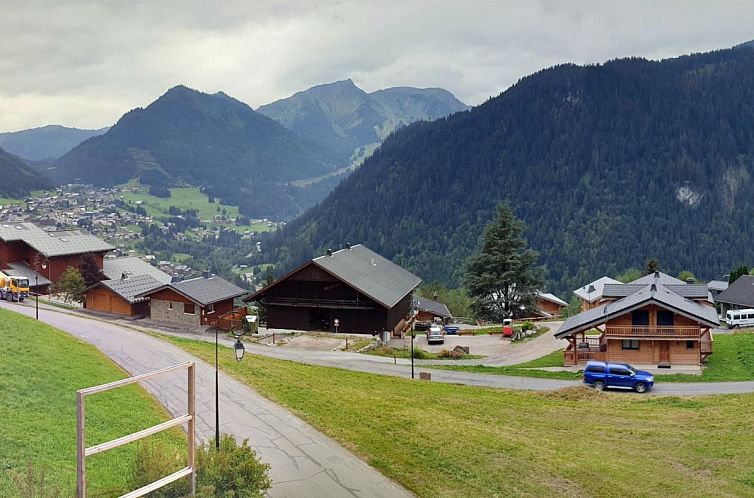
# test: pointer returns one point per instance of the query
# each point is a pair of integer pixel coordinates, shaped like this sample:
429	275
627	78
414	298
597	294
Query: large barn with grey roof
365	292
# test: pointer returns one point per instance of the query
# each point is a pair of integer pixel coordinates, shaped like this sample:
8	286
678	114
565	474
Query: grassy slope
733	360
40	370
443	440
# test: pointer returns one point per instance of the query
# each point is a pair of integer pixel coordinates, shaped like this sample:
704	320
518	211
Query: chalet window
640	317
630	344
188	308
210	308
689	344
664	318
170	305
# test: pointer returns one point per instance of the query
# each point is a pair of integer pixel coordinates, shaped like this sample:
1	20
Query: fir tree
502	276
89	270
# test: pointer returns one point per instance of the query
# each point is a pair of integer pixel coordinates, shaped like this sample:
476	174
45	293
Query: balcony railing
304	302
650	331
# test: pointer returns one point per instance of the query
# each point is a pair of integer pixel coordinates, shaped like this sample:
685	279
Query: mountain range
18	179
607	165
45	143
214	141
344	118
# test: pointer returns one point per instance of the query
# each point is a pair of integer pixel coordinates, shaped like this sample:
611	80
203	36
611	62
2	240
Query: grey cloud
86	63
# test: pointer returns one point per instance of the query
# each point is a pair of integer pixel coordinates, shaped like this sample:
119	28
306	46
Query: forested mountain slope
606	164
46	142
18	179
350	121
212	141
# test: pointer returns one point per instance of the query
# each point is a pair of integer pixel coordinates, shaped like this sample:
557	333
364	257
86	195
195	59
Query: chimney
653	288
123	276
657	274
329	252
348	245
206	273
689	280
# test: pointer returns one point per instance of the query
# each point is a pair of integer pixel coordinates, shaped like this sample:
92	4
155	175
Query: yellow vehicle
13	288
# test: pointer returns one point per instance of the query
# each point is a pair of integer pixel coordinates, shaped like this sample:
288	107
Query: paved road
303	461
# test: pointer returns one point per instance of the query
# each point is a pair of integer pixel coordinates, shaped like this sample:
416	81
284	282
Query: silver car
435	335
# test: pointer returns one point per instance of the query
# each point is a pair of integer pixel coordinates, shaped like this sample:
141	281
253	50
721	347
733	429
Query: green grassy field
181	197
732	360
442	440
40	370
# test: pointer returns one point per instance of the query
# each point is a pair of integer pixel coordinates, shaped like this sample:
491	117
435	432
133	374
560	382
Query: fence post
80	447
191	432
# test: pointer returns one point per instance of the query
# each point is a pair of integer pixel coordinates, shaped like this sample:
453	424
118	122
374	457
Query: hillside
18	179
46	142
350	121
607	165
214	141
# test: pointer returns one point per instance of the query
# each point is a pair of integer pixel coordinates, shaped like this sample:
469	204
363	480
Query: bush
419	353
445	353
233	472
527	326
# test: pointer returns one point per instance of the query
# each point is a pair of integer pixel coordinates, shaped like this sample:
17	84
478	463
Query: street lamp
413	334
36	289
239	351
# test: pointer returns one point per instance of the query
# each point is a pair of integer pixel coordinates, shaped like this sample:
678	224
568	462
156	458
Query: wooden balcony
304	302
655	332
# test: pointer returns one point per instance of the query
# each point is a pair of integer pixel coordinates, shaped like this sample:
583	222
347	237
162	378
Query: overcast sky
84	64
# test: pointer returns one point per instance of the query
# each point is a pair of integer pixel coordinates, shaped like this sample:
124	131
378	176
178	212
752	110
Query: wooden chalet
591	294
426	310
549	305
47	253
365	292
739	295
195	302
645	323
127	278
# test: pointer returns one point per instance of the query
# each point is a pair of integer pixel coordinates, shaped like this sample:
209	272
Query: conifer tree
502	276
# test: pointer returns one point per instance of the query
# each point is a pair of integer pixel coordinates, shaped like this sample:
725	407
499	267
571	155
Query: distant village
103	212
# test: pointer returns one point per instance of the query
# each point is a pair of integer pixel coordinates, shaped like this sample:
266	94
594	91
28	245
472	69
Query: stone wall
161	310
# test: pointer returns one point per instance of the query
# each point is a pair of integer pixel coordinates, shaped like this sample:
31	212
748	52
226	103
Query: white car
435	335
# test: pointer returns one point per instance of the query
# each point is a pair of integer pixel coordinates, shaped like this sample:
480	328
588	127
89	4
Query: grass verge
419	354
443	440
40	370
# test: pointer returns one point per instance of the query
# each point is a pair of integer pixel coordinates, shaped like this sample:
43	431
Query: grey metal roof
424	304
691	291
370	273
653	293
131	287
53	243
717	285
21	269
740	292
203	291
657	277
133	266
596	294
552	298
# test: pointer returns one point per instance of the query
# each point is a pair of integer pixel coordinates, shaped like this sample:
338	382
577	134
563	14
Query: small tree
71	285
502	276
652	266
685	275
629	275
741	270
90	272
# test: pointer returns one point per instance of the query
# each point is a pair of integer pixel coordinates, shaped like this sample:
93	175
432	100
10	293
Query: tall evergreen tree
89	270
652	266
502	276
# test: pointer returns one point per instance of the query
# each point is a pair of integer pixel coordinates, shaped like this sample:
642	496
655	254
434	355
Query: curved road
303	461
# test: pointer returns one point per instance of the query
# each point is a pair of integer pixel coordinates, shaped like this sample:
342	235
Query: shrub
527	326
233	472
445	353
419	353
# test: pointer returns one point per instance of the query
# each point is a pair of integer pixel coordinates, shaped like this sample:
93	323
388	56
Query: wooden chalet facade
127	278
48	253
644	324
549	305
365	292
426	310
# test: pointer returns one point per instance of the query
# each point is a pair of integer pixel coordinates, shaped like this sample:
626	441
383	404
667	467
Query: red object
507	331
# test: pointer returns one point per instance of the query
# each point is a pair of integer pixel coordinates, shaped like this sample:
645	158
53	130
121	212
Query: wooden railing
649	331
318	303
581	355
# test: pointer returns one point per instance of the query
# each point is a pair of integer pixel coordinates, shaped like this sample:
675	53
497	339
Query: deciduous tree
71	285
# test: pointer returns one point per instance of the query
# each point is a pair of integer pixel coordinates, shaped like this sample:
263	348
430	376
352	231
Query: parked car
450	329
601	375
435	335
422	325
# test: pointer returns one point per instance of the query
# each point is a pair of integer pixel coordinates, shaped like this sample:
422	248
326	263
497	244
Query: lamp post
239	351
36	289
412	350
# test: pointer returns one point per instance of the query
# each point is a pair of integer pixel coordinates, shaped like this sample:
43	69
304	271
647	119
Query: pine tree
652	266
89	270
502	276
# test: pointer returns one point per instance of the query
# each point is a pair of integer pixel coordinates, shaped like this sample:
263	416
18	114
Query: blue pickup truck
601	375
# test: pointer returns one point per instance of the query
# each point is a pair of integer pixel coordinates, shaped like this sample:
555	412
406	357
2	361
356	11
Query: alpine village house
360	289
654	320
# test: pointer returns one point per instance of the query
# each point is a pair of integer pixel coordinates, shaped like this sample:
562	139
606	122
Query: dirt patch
314	343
